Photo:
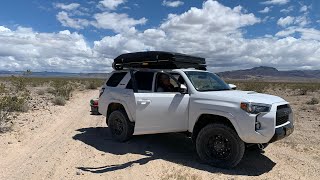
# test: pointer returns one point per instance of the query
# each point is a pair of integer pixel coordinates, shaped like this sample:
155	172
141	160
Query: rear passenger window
115	79
144	80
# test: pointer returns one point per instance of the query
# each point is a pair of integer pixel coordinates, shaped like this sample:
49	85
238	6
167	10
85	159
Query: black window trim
121	72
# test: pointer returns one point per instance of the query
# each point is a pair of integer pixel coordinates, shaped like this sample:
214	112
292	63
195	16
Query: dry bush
19	83
93	85
2	88
51	90
4	113
63	88
252	86
313	101
41	92
60	101
302	92
14	103
8	105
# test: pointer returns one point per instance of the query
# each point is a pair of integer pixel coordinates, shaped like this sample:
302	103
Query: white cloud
75	23
62	51
306	33
276	2
285	21
212	17
111	4
4	29
287	10
265	10
172	3
67	7
289	20
303	8
302	20
214	32
116	22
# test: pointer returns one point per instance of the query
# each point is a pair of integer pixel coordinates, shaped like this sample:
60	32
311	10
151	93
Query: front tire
220	146
120	127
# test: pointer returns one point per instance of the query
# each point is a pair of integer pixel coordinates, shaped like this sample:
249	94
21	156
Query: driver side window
164	83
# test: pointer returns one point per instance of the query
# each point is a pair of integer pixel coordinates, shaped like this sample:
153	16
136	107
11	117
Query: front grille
283	112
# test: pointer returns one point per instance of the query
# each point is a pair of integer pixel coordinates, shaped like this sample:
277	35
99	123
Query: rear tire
220	146
120	127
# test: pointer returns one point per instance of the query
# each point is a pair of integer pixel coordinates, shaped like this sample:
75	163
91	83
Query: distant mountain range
262	72
265	72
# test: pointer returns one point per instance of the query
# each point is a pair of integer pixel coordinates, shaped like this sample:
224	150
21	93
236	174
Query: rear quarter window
115	79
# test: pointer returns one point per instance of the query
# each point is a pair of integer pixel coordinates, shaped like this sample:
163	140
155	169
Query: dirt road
69	143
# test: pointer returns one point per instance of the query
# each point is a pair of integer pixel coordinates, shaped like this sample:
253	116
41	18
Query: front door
161	112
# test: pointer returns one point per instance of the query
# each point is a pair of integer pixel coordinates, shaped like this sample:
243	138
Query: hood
243	96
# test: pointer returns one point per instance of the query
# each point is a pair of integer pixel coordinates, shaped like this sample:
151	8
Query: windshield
205	81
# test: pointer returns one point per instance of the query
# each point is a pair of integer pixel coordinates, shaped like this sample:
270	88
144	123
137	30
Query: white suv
220	120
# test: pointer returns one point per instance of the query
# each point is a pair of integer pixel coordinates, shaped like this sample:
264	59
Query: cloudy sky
85	36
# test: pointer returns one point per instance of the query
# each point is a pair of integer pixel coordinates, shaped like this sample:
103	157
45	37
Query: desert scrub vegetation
301	88
2	88
313	101
63	88
58	100
9	105
93	84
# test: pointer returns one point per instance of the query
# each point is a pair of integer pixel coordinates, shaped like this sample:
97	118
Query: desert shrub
60	101
303	92
51	90
14	103
9	104
2	88
92	85
41	92
4	113
313	101
252	86
19	83
62	88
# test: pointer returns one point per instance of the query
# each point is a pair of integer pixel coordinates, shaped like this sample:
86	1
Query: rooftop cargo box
158	60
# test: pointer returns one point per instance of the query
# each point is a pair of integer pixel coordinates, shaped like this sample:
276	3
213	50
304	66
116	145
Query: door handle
144	101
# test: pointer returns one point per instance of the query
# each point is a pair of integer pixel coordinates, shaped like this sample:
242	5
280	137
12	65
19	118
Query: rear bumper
282	132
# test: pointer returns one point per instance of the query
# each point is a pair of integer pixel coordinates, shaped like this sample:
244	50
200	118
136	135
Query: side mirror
232	86
183	89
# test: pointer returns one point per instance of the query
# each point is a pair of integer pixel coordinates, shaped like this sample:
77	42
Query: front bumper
282	132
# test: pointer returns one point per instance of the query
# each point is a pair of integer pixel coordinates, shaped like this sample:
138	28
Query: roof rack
158	60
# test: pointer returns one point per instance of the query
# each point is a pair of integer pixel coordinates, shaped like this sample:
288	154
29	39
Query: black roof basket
158	60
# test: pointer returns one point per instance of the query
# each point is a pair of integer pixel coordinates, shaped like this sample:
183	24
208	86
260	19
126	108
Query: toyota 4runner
221	121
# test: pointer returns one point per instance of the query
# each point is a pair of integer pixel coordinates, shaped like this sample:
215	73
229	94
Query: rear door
159	112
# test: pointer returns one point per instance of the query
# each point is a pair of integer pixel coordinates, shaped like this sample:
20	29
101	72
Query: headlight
255	108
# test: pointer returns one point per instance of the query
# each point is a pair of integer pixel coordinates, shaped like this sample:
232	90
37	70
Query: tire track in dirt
42	153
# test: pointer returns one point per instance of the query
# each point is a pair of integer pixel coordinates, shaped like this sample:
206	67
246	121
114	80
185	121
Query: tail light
94	102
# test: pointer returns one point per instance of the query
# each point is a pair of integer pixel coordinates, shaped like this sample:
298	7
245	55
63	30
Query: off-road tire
210	150
120	127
